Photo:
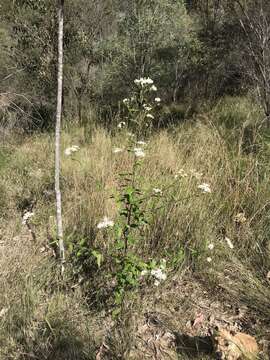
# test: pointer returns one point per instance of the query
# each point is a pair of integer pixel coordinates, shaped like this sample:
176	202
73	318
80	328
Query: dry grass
45	317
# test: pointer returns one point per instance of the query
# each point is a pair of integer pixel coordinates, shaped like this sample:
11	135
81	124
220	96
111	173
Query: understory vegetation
218	238
165	170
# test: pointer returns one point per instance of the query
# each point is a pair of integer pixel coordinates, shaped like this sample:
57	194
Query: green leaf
98	256
120	245
116	312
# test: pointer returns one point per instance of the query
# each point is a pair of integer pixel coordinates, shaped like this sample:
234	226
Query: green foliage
33	27
194	54
152	38
85	261
132	220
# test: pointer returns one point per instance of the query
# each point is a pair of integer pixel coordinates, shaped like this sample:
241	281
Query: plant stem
59	221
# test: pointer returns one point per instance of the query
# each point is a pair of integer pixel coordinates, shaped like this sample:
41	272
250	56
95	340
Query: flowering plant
141	106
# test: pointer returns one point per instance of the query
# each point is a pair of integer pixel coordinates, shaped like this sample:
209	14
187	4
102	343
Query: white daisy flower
141	142
68	151
117	150
181	173
157	99
211	246
148	81
139	152
143	81
121	124
147	108
205	188
144	272
153	88
125	101
105	223
208	259
72	149
157	191
159	274
240	218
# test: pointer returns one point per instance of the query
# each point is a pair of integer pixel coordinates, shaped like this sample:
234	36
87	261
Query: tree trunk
59	223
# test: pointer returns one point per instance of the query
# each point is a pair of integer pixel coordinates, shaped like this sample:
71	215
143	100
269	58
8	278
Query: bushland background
210	62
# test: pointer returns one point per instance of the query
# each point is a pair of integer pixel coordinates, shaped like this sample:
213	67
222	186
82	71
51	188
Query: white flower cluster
141	143
192	172
26	216
157	191
181	173
117	150
205	188
139	152
143	81
240	218
71	150
128	101
105	223
121	124
210	247
147	107
158	274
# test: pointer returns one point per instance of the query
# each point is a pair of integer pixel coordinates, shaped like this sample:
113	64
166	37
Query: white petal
230	244
117	150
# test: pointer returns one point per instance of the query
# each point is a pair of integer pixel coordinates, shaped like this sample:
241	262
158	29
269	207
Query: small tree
58	132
